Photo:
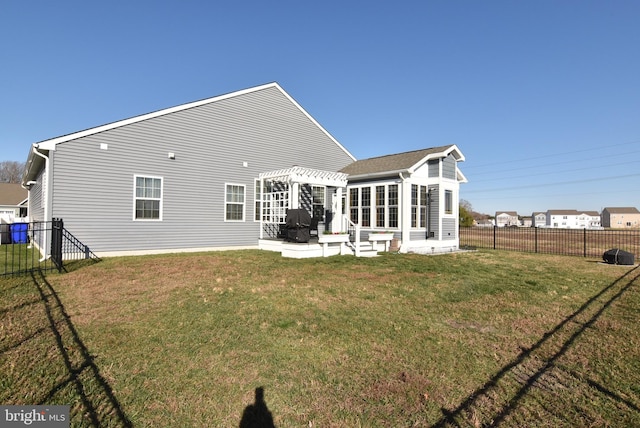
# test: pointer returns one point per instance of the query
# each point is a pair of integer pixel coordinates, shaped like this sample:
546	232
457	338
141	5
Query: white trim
298	174
135	198
51	143
257	183
440	156
244	203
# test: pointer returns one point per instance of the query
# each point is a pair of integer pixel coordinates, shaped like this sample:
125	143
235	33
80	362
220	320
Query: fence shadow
100	405
529	370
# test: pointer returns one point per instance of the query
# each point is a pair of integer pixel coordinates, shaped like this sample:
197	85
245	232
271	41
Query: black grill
297	225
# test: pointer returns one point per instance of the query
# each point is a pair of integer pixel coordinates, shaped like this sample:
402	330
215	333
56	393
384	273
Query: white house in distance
538	219
222	173
621	218
573	219
507	218
13	202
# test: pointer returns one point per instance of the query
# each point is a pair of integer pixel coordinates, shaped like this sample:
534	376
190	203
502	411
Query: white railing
354	234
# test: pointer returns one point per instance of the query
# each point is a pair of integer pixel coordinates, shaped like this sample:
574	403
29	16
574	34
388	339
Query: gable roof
573	212
51	144
12	194
509	213
401	162
622	210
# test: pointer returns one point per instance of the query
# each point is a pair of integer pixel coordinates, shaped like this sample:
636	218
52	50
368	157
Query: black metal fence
571	242
39	246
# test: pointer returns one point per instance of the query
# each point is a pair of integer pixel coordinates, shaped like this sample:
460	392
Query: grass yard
470	339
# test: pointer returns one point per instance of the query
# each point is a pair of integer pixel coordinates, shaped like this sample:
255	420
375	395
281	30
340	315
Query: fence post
535	233
56	242
494	236
584	241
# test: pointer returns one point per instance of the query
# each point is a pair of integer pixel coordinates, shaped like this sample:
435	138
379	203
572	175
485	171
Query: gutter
45	196
402	230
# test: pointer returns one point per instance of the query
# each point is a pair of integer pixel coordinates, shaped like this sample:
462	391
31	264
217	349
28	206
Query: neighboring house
507	218
222	173
621	218
13	202
573	219
538	219
527	221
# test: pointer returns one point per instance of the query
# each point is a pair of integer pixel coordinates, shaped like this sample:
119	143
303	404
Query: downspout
261	234
404	232
45	198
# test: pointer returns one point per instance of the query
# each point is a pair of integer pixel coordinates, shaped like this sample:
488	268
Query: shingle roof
563	212
622	210
391	163
12	194
573	212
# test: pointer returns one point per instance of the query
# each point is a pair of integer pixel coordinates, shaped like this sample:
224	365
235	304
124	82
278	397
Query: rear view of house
224	172
180	178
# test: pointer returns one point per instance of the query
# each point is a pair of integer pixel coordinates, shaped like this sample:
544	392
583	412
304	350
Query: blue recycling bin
19	233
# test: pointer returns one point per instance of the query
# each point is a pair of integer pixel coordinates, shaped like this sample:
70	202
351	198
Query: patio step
368	253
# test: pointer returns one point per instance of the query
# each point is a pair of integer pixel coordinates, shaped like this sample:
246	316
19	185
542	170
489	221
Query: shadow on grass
482	407
100	406
257	415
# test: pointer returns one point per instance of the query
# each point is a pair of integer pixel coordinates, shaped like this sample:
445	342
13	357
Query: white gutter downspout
45	199
405	232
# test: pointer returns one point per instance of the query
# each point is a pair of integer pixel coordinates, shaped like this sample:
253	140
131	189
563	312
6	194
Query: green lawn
468	339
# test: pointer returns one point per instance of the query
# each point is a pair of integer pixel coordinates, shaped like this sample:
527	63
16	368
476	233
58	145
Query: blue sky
542	97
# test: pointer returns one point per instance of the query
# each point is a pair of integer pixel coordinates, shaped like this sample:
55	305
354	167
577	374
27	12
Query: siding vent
104	146
171	155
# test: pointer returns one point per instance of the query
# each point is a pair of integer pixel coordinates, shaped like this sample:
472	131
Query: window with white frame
148	198
380	206
414	205
317	196
374	206
418	205
392	200
258	196
234	198
365	201
354	204
448	202
424	194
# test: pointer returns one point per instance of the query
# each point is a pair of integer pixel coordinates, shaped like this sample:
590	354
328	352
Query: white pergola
294	177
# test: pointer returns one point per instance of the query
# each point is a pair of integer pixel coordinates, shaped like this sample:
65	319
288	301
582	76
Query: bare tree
11	171
466	205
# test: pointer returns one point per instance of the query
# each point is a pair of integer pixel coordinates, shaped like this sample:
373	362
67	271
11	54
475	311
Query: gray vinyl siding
434	210
434	167
449	167
36	201
418	235
448	229
94	188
